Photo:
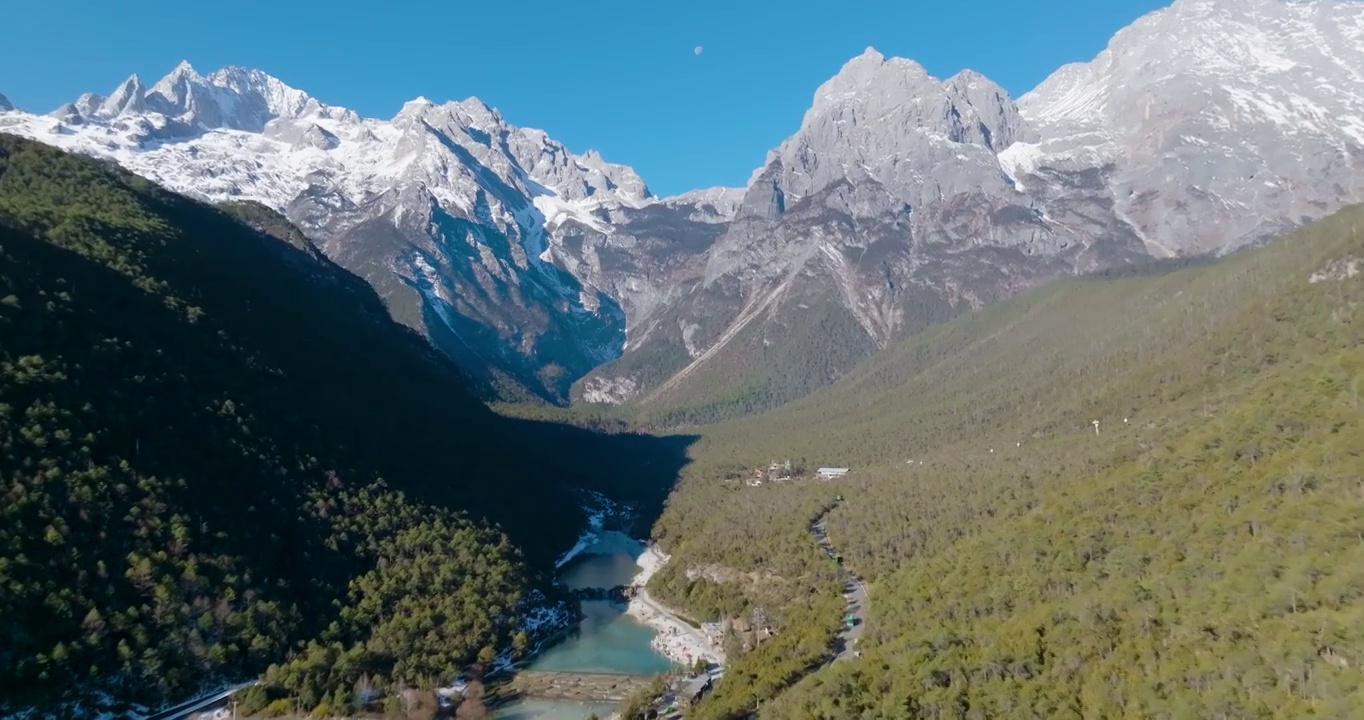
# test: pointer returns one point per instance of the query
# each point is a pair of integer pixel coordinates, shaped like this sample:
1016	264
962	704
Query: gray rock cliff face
1219	122
890	201
1203	127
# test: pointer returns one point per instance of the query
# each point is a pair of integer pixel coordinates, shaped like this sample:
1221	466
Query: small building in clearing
694	689
829	473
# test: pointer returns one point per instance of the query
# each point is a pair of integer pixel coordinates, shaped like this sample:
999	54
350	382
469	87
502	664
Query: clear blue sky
615	75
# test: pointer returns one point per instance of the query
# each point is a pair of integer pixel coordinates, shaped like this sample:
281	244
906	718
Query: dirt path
854	593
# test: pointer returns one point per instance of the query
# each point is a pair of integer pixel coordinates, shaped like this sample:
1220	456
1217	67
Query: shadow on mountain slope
217	447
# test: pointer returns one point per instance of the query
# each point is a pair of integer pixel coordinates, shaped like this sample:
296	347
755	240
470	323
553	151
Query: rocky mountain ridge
901	200
454	215
1224	122
1203	127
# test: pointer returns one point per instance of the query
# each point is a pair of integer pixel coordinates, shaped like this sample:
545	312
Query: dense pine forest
1199	554
220	455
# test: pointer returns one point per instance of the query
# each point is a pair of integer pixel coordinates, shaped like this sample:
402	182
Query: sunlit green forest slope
1200	554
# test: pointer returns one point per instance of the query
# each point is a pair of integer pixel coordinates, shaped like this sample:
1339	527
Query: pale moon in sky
698	49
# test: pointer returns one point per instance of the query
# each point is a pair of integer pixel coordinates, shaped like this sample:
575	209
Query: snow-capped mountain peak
233	98
479	114
130	97
267	96
1256	47
455	214
175	88
526	159
469	113
88	104
1247	103
242	133
890	121
5	104
871	77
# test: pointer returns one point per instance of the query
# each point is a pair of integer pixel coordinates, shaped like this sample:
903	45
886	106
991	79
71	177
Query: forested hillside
219	453
1200	555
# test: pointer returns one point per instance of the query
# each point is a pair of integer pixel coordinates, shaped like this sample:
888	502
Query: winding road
854	592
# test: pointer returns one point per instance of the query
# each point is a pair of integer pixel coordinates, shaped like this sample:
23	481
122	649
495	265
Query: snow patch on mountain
449	198
722	201
242	134
1223	121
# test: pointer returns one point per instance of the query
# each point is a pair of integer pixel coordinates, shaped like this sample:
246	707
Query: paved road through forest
854	592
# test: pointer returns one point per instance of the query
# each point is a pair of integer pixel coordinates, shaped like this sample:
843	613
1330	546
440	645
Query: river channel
605	641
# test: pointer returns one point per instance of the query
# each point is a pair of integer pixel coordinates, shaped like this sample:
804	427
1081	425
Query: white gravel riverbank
676	639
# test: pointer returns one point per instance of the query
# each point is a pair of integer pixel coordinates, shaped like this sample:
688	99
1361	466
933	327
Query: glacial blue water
605	641
599	571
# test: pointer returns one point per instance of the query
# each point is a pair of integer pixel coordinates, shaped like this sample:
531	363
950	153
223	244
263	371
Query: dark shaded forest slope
217	450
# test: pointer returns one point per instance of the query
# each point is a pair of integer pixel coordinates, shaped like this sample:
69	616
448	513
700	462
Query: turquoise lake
605	641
